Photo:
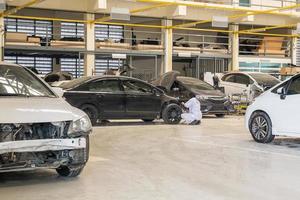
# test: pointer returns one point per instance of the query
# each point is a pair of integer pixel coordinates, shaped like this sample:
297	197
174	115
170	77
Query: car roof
114	76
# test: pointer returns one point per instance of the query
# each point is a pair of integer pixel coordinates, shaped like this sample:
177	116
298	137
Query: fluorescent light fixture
185	54
180	11
101	5
119	56
120	14
220	21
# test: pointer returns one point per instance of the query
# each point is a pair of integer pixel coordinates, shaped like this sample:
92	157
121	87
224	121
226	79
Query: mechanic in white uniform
193	116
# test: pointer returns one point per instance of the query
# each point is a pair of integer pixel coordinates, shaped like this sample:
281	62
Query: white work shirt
194	107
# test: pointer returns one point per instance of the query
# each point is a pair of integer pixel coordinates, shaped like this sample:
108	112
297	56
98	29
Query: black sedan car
183	88
117	97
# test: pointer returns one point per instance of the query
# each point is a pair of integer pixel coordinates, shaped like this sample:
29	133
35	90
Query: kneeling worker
193	115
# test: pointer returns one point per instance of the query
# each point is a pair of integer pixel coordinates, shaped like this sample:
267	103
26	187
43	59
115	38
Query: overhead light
119	56
185	54
220	21
120	14
101	4
180	11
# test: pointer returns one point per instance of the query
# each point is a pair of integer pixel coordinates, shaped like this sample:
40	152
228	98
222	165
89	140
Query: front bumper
208	108
42	145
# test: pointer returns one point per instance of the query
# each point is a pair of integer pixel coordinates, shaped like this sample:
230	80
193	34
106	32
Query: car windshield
74	83
17	81
265	79
194	83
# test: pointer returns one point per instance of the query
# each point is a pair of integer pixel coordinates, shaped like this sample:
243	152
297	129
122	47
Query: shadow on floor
293	143
138	122
32	177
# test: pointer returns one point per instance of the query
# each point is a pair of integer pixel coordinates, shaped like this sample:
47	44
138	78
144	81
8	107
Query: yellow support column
168	46
90	42
234	47
294	41
2	39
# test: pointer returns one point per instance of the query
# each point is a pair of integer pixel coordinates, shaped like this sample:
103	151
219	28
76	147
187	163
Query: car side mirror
282	92
156	92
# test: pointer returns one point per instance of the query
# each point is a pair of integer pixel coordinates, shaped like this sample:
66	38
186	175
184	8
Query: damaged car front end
37	128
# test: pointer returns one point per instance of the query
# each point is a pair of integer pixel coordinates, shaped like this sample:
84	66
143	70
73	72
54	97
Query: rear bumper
42	145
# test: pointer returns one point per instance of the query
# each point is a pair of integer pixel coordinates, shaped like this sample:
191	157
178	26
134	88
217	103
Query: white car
37	128
276	112
251	84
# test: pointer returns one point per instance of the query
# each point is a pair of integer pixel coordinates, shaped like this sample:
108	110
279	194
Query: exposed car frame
39	130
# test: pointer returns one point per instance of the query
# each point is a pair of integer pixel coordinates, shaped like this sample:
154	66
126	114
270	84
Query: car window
229	78
132	86
294	87
101	86
242	79
18	81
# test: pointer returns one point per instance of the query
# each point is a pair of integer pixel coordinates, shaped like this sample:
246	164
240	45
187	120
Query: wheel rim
260	127
174	115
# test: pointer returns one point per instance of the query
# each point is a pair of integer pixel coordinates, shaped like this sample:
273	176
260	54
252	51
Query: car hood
208	93
37	110
166	80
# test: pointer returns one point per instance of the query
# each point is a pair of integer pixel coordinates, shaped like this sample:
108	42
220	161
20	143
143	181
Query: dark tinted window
229	78
193	83
133	86
264	79
242	79
100	86
294	87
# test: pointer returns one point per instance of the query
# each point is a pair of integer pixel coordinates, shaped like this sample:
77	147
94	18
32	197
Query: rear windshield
265	79
193	83
74	83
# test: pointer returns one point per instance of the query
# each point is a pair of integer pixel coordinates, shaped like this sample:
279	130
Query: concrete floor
217	160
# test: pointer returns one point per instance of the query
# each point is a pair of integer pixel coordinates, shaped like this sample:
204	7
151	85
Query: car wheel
171	114
72	170
261	127
148	120
220	115
92	112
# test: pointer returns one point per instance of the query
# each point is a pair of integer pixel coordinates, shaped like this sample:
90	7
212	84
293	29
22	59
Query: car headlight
81	125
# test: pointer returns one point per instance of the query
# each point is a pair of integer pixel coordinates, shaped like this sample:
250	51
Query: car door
142	99
236	84
286	113
106	94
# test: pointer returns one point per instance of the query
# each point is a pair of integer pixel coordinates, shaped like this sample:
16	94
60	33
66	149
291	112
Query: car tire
220	115
260	126
148	120
72	170
92	113
171	114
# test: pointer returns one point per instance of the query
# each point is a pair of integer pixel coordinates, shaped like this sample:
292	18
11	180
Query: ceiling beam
134	11
270	11
207	5
16	9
